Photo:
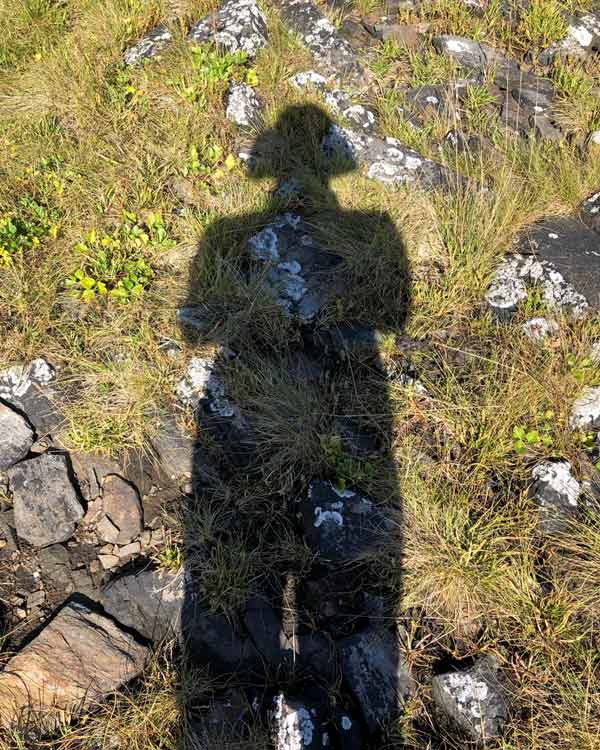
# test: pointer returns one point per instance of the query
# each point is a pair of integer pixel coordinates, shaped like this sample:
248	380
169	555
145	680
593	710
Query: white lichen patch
328	516
468	691
16	381
557	477
243	106
540	328
295	725
585	412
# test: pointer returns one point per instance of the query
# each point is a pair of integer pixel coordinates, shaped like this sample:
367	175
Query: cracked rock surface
239	25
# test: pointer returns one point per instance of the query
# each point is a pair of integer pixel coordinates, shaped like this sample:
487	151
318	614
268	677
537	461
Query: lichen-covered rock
151	45
341	525
556	491
517	272
243	106
338	100
28	387
78	659
203	381
585	412
300	273
16	437
472	700
583	36
332	53
540	328
387	160
476	56
590	210
377	674
297	724
239	25
46	505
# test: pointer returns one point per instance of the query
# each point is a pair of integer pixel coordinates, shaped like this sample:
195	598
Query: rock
222	721
28	389
407	34
387	160
472	701
374	670
45	502
545	128
583	36
572	250
240	25
556	491
148	602
55	566
476	56
590	211
16	437
341	525
340	103
122	508
129	551
151	45
298	724
518	272
264	625
109	562
357	36
243	106
174	449
78	659
540	328
202	380
332	53
300	273
585	412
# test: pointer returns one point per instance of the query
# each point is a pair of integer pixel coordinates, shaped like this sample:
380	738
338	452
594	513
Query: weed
542	23
211	71
346	470
525	439
25	230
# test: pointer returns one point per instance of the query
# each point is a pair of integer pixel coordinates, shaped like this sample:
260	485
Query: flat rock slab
472	701
341	525
332	53
373	668
16	437
387	160
572	248
123	509
299	272
46	505
239	26
77	660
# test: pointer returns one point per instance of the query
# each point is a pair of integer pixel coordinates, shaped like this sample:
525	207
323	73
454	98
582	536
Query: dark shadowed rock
590	212
341	525
376	673
299	723
556	491
239	25
122	507
45	502
77	660
16	437
224	720
473	700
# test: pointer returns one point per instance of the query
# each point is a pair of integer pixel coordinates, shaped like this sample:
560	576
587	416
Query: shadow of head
293	147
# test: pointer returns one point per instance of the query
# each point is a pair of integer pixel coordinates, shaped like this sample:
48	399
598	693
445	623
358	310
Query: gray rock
122	508
359	116
46	506
151	45
517	272
77	660
585	412
331	52
174	449
556	491
28	388
387	160
590	211
16	437
243	106
476	56
298	272
298	724
341	525
472	701
239	25
540	328
583	36
374	670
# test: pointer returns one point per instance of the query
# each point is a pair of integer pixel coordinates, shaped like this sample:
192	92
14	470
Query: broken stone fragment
472	701
585	412
122	510
377	674
78	659
239	25
243	106
387	160
46	505
28	389
16	437
557	492
151	45
341	525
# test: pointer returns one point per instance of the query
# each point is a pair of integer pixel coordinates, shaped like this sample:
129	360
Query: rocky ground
299	374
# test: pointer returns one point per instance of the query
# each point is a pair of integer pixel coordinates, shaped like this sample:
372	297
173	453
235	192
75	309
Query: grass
90	157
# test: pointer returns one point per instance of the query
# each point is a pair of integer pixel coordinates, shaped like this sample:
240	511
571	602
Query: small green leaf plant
585	370
526	438
345	469
211	71
117	265
26	229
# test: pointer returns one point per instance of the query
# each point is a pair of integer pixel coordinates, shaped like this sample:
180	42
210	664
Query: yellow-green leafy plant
26	229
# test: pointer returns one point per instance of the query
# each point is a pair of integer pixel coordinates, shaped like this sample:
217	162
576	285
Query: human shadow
293	530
